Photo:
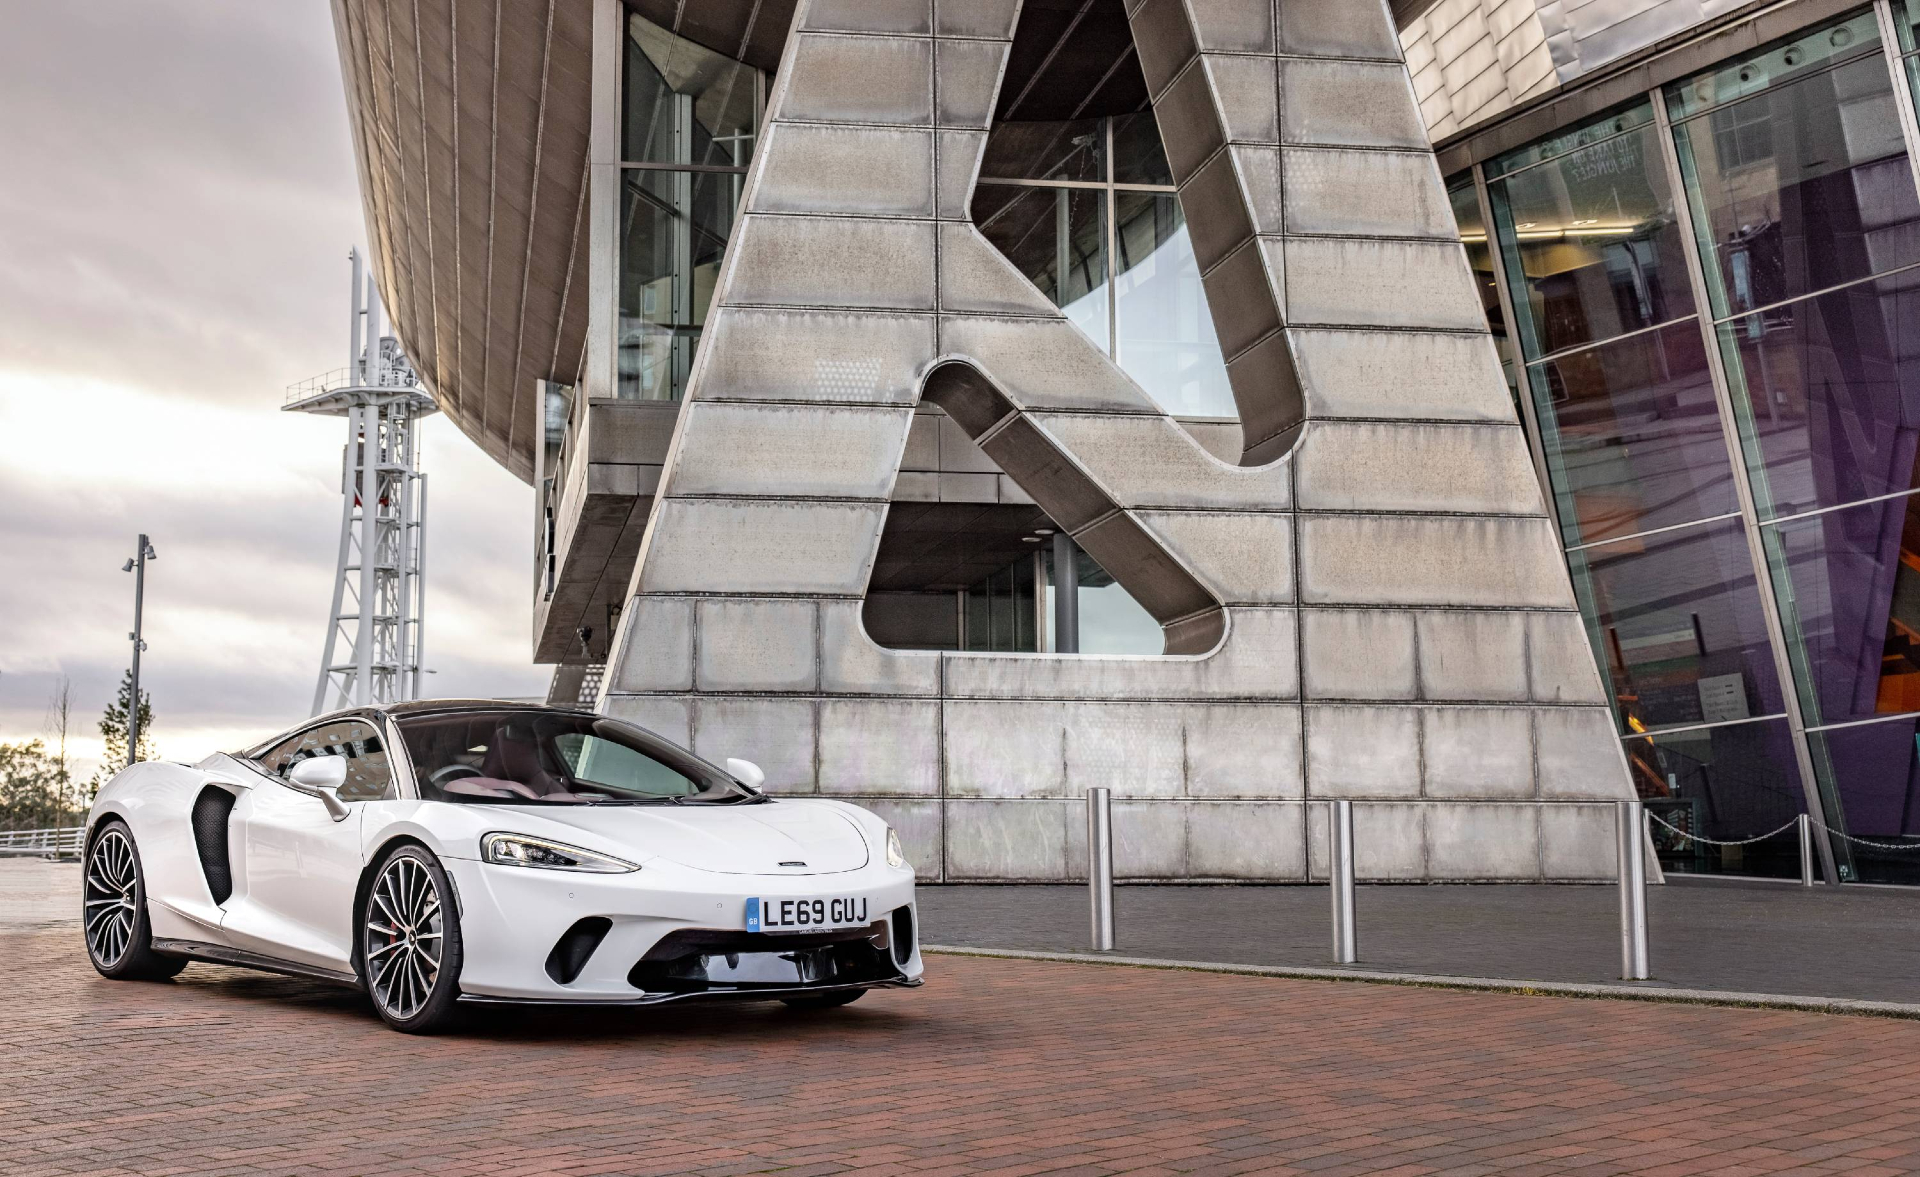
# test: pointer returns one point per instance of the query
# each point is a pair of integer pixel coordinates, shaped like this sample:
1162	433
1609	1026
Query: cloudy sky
175	216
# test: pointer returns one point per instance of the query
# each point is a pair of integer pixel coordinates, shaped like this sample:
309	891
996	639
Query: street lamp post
137	566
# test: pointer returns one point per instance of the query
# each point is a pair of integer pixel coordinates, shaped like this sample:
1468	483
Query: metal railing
61	842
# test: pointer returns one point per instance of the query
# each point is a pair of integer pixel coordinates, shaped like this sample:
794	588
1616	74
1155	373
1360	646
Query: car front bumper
673	933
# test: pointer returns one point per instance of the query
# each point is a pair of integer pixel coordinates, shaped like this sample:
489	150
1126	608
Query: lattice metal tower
379	600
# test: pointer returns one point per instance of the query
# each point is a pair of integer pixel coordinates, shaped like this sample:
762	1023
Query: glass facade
688	121
1714	290
1087	211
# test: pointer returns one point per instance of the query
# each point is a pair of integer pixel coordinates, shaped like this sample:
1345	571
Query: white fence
55	843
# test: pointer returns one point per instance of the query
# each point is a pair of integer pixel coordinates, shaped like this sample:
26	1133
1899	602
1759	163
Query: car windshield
555	758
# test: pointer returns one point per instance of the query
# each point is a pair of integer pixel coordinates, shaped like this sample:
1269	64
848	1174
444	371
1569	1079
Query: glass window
1849	588
1047	151
1111	621
369	776
1781	63
1679	626
685	103
1874	770
1473	235
528	756
1058	239
1800	187
1828	392
1726	783
1001	614
673	236
1632	435
1138	155
1166	337
1640	114
1592	246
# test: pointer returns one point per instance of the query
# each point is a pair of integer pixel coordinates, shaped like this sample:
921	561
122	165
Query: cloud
180	199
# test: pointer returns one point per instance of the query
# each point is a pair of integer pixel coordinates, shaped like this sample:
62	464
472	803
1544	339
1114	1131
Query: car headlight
896	856
521	850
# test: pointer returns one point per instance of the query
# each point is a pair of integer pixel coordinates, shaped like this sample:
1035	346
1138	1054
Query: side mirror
320	776
746	772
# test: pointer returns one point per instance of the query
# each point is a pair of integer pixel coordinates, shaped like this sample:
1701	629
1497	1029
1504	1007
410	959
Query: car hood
726	839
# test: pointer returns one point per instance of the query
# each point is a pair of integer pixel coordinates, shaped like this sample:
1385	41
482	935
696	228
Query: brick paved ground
1009	1067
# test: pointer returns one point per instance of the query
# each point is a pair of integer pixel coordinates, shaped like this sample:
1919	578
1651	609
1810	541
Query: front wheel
410	943
119	938
825	1000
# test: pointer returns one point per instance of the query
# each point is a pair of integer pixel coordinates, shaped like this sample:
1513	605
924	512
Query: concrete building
955	404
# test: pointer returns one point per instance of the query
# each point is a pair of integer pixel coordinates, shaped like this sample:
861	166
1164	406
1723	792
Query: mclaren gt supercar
435	853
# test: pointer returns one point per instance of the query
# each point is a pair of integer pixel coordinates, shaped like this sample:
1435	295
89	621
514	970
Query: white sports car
442	852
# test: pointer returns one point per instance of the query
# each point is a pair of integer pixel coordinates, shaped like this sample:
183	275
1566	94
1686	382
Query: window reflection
1725	783
1875	770
684	106
1850	598
673	233
1632	435
1138	156
1473	235
1801	187
1166	336
684	103
1831	396
1143	305
1047	151
1057	237
1592	245
1680	627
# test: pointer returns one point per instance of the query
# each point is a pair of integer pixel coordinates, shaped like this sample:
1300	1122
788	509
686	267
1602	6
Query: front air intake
210	810
571	951
902	935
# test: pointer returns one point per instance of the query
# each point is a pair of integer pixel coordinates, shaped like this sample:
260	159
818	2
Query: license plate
807	915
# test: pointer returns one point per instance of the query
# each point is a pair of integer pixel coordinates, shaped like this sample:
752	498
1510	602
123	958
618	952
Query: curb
1591	990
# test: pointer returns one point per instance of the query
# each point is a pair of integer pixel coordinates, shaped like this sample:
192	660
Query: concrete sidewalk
1860	943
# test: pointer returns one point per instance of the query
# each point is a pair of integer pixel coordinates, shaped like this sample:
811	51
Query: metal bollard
1346	937
1806	850
1631	833
1100	866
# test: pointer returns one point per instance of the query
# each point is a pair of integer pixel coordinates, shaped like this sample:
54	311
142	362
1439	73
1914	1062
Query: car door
299	867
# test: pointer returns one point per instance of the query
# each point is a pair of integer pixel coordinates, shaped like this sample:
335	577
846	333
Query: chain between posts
1657	819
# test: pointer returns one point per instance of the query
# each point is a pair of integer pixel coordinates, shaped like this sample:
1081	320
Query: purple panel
1853	606
1681	626
1833	392
1875	773
1632	435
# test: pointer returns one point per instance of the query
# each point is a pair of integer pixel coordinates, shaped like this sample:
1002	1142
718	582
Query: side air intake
571	951
210	810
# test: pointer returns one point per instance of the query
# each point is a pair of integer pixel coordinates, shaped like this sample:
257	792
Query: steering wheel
441	776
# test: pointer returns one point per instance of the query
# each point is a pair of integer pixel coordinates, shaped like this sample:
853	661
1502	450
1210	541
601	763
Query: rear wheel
119	938
410	943
825	1000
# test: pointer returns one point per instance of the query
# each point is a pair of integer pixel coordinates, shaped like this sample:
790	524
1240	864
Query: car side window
369	774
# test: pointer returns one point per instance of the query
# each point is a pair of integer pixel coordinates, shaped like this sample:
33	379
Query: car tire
824	1000
407	943
114	922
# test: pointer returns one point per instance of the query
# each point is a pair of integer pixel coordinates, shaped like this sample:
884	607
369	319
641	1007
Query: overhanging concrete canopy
470	134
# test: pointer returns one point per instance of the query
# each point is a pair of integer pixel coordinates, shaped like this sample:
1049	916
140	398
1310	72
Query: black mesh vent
570	951
210	811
